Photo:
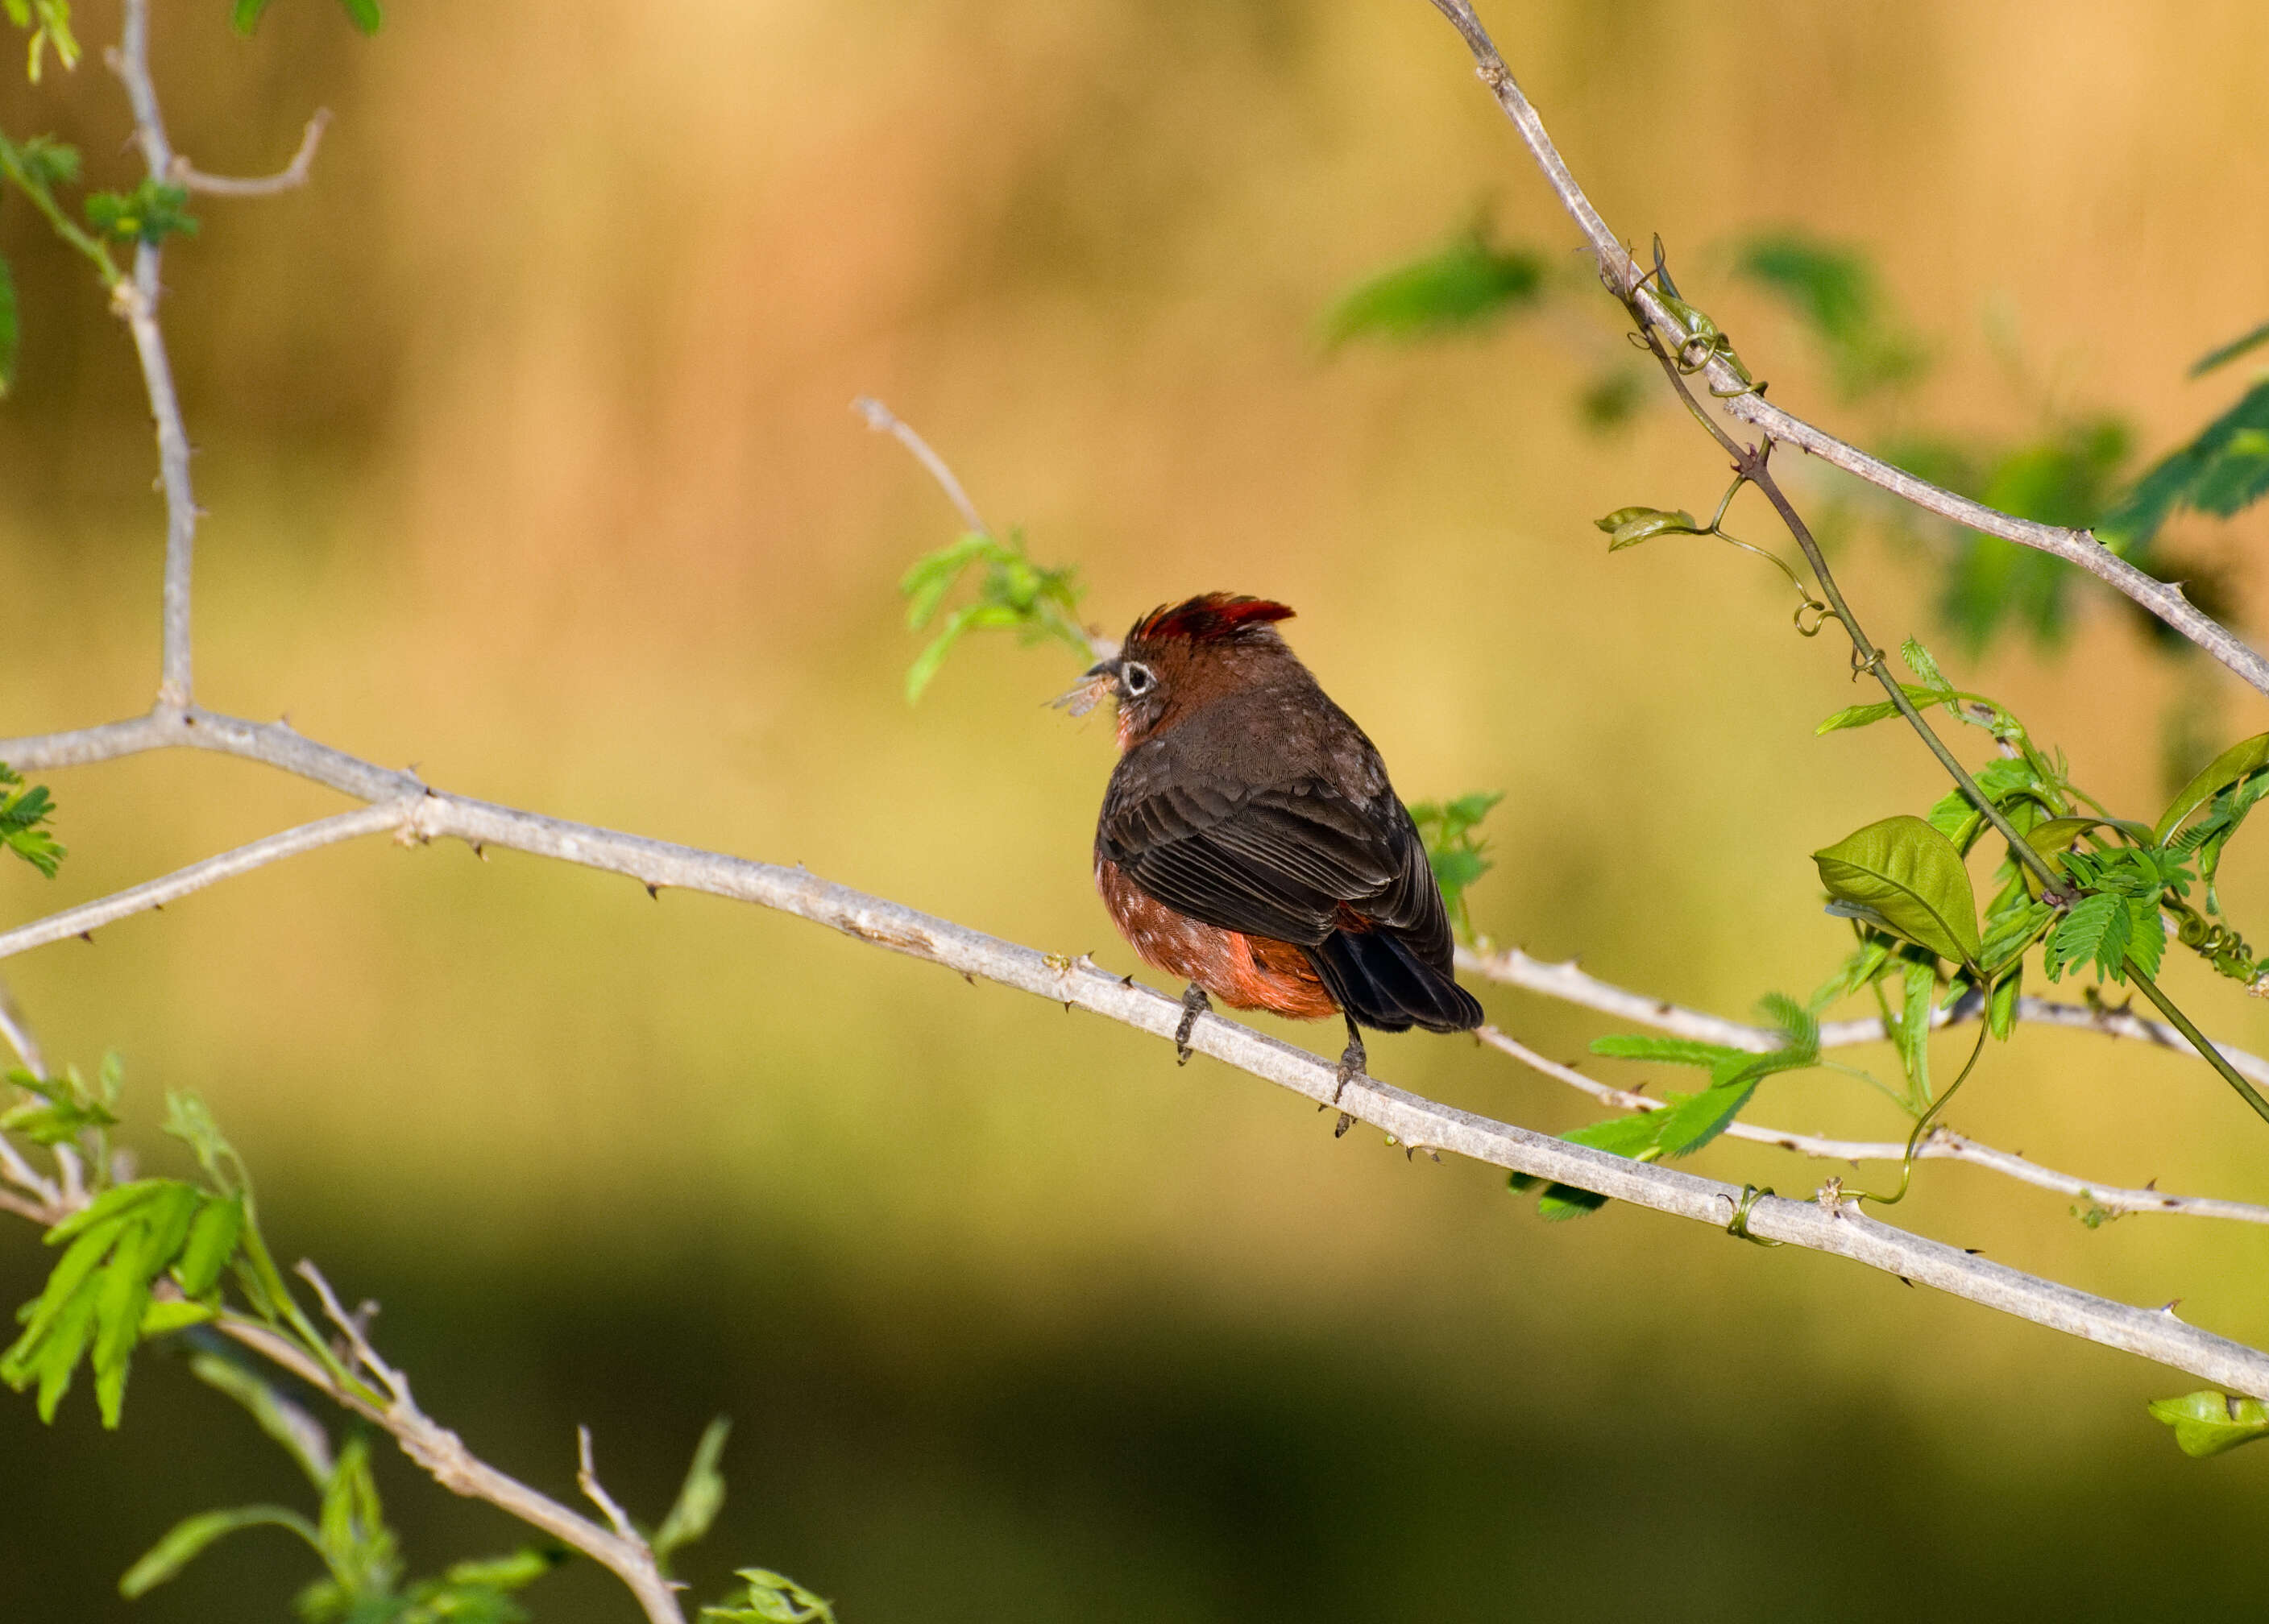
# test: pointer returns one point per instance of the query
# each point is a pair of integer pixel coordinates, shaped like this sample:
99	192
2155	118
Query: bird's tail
1375	978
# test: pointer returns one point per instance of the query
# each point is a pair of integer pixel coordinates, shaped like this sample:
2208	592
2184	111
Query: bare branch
587	1479
880	419
292	174
1744	401
156	893
136	300
1941	1144
1569	983
1079	983
443	1455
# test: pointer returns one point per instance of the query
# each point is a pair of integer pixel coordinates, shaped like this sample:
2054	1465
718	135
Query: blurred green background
524	437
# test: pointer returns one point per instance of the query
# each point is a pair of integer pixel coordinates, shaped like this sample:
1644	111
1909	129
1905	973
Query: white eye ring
1137	679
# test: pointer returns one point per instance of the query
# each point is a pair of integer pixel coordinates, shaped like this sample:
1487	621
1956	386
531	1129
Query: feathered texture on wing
1302	863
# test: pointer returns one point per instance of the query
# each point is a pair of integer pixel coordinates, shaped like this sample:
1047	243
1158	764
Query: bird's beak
1099	681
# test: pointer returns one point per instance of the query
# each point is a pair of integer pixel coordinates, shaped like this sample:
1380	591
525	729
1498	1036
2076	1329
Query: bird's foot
1194	1003
1352	1061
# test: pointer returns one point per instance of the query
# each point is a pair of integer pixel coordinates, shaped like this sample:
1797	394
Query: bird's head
1178	656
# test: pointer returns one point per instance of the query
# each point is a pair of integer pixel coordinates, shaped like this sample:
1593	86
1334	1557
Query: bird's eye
1137	679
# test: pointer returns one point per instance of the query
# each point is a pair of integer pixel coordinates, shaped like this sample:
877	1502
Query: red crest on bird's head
1213	618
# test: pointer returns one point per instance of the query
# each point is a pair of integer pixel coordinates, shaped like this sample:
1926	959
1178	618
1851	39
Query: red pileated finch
1250	842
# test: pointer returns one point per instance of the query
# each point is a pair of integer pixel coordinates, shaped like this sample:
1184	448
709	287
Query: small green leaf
1628	527
2010	933
772	1598
2081	934
2210	1423
1913	1033
1911	876
2240	760
152	212
1668	1051
700	1498
2224	468
1881	710
1457	856
364	14
245	14
211	1243
2230	352
2001	1003
1694	1119
517	1572
164	1319
299	1434
1468	284
189	1538
1924	666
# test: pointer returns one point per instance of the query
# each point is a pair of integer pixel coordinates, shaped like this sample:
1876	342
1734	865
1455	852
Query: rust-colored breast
1245	972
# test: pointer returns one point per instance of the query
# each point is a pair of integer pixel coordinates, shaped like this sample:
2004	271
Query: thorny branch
1740	399
1079	983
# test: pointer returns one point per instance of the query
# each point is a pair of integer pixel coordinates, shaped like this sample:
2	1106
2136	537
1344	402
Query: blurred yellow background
525	440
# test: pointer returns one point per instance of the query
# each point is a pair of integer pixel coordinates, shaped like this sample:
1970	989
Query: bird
1250	842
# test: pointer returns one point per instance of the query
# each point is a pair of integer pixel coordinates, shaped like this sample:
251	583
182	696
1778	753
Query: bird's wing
1282	861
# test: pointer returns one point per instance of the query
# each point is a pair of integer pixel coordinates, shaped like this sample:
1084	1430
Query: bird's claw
1194	1003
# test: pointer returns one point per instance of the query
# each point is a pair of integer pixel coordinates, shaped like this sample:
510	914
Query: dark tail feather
1377	978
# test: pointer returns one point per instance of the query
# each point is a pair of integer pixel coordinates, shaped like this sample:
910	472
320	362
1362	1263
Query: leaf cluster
152	212
360	1554
50	26
23	811
1012	594
771	1598
1468	283
1455	849
245	15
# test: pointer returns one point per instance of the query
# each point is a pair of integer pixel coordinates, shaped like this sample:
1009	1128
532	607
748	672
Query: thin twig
18	1031
880	418
1569	983
587	1479
1941	1143
156	893
137	301
1081	984
292	174
1741	400
442	1455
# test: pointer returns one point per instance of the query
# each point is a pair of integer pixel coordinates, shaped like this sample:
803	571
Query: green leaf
1924	666
23	809
701	1497
365	14
245	14
189	1538
515	1572
1457	856
1465	284
1881	710
2224	468
299	1434
1833	290
1628	527
2081	935
152	212
2146	934
2001	1003
2240	760
1694	1119
211	1243
2211	1423
772	1598
933	575
1911	876
2009	932
2066	479
1622	1136
1669	1051
163	1318
2230	352
7	329
1913	1033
